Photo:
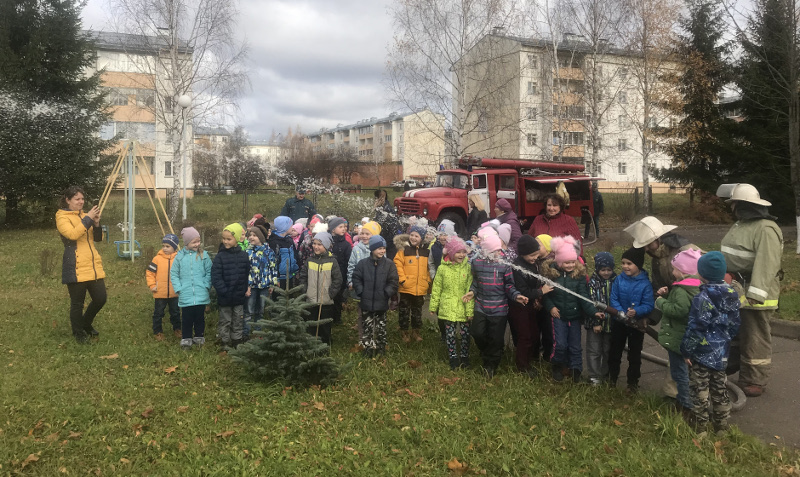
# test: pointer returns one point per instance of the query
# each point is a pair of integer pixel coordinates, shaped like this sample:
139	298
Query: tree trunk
13	215
794	154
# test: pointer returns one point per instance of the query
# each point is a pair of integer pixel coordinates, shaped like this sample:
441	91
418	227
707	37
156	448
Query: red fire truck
524	184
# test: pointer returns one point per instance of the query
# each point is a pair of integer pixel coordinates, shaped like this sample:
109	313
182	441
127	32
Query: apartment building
413	139
530	99
269	153
133	76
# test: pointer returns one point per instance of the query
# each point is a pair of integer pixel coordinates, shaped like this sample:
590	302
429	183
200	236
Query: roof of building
571	42
130	43
364	123
210	131
263	142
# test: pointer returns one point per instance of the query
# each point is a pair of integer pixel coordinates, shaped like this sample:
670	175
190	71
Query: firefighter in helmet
753	248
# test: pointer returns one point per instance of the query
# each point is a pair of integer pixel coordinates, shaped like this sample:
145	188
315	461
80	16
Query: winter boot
405	336
177	333
368	353
415	334
455	363
576	376
558	376
464	362
198	341
489	371
186	343
159	336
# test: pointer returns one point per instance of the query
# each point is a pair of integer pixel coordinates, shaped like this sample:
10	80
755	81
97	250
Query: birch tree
197	55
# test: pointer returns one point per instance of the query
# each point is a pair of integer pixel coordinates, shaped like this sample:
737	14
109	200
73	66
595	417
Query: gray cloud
313	63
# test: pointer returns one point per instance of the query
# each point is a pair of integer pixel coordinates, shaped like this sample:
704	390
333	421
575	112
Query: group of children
475	289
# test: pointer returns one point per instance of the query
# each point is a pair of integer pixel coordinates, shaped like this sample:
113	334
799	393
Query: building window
623	73
167	168
532	87
148	160
622	168
622	144
572	138
532	114
623	123
532	139
388	138
118	98
673	123
145	98
532	62
623	97
107	131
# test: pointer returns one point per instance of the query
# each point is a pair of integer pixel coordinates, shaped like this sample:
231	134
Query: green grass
77	410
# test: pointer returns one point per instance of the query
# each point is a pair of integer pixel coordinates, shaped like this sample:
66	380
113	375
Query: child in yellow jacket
415	280
158	280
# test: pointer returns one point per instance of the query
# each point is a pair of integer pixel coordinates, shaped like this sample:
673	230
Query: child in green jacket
674	317
451	284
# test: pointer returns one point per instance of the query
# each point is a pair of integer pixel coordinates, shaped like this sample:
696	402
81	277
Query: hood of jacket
401	241
550	269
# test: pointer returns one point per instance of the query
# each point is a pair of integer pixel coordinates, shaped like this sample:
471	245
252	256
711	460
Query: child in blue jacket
191	280
631	293
713	322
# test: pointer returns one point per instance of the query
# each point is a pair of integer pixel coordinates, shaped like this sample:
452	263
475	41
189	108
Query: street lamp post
184	101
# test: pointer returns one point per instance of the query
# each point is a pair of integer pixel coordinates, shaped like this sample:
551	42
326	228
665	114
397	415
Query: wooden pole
166	216
147	183
112	179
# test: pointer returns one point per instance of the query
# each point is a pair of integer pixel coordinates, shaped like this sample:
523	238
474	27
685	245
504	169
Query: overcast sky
313	63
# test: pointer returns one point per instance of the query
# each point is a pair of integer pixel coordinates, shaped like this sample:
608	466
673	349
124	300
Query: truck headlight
425	211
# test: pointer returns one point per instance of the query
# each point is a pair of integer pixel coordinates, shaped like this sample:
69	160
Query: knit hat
373	227
564	248
172	240
314	220
236	230
416	228
503	205
319	227
712	266
453	245
545	241
302	221
376	242
635	255
686	261
491	243
504	231
603	260
258	233
262	222
447	227
527	245
282	224
486	232
335	222
325	239
298	228
364	220
189	234
494	223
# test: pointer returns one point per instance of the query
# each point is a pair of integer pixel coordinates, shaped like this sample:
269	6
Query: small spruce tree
283	348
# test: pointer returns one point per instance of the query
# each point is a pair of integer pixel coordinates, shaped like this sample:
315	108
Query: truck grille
409	207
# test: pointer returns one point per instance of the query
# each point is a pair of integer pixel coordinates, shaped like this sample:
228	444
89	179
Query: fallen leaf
124	366
183	408
448	381
181	447
170	370
110	356
697	443
397	417
74	435
52	437
509	414
31	458
124	460
411	393
63	470
147	412
413	364
718	449
456	467
617	423
319	406
608	449
226	434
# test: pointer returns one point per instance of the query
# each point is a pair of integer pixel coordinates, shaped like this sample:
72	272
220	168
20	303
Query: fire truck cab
525	184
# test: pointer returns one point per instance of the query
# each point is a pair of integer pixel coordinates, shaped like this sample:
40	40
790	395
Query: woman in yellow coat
82	267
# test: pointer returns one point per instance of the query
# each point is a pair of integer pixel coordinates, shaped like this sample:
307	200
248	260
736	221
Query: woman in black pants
82	267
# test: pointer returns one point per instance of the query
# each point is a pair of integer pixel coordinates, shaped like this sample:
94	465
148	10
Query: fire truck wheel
456	219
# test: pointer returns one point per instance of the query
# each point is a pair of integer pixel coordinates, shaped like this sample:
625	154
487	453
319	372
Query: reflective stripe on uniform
757	362
767	303
738	253
756	291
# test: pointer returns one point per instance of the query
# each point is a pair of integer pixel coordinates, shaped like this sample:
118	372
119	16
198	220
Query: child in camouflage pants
713	322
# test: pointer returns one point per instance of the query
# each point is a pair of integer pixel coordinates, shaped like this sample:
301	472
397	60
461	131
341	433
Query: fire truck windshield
454	180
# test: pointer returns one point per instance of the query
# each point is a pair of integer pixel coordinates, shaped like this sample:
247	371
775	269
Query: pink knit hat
491	243
485	232
565	249
453	245
504	231
686	261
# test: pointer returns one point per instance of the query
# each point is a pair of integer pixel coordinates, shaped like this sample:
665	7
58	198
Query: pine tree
699	142
768	76
50	109
283	348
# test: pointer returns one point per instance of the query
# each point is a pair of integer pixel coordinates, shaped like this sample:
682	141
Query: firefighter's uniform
753	251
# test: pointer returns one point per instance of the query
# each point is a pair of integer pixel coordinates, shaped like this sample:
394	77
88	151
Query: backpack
287	255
